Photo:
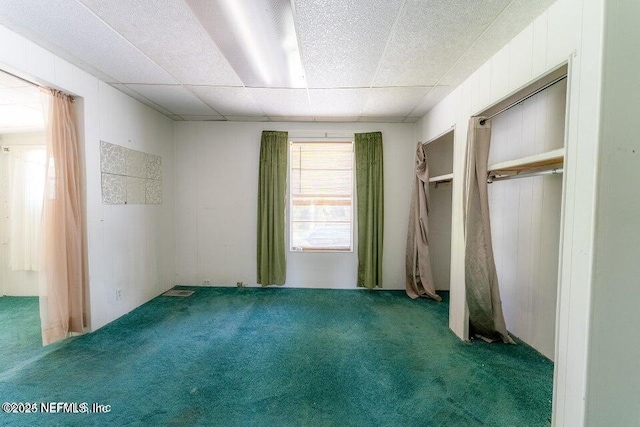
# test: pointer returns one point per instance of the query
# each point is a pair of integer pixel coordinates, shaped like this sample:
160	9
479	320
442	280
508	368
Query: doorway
22	181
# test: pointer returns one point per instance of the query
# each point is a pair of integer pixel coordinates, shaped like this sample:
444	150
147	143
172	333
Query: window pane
321	187
317	155
321	209
330	182
323	235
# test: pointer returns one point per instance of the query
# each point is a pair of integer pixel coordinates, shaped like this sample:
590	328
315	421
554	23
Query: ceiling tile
435	95
172	37
175	99
381	119
233	101
394	101
282	102
154	45
135	95
291	118
336	118
342	40
514	19
337	102
431	36
72	28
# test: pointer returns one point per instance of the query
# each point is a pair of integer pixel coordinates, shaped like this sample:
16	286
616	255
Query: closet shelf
441	179
526	164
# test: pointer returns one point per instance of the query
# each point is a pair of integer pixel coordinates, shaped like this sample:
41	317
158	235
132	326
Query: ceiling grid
277	60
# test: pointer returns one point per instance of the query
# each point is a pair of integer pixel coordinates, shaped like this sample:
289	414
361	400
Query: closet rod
535	92
556	171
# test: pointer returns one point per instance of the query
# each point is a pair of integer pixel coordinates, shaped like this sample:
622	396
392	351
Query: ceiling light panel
233	101
395	101
170	35
74	30
257	37
514	19
282	102
337	102
176	99
342	40
430	36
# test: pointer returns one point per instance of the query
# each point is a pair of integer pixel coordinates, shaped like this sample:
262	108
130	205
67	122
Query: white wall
525	218
13	283
568	30
613	374
130	247
216	205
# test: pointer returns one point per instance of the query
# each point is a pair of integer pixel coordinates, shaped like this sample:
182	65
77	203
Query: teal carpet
20	339
277	357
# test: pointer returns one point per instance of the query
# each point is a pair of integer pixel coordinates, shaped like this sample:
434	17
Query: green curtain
370	194
272	190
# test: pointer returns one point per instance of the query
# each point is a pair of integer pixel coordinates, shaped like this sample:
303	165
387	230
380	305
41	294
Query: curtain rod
326	135
524	98
54	92
555	171
20	78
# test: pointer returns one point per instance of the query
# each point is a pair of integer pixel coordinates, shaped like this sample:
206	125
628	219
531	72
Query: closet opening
439	154
527	143
22	182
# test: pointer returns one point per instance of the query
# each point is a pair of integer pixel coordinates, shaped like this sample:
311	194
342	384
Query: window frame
289	213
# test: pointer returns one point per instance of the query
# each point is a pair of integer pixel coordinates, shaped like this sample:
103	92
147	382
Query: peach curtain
63	269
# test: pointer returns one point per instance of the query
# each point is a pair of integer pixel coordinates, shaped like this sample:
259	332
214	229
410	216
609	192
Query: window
26	190
321	196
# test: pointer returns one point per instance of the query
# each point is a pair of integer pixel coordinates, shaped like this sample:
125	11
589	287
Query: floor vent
177	293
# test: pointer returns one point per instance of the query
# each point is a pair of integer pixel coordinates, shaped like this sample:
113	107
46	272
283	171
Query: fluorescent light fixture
257	37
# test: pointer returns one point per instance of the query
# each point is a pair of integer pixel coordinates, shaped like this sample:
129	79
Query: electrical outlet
239	284
206	283
118	294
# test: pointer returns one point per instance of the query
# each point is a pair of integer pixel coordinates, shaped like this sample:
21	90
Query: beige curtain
419	280
63	270
481	279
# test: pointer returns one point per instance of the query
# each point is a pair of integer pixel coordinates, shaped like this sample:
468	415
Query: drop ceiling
309	60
